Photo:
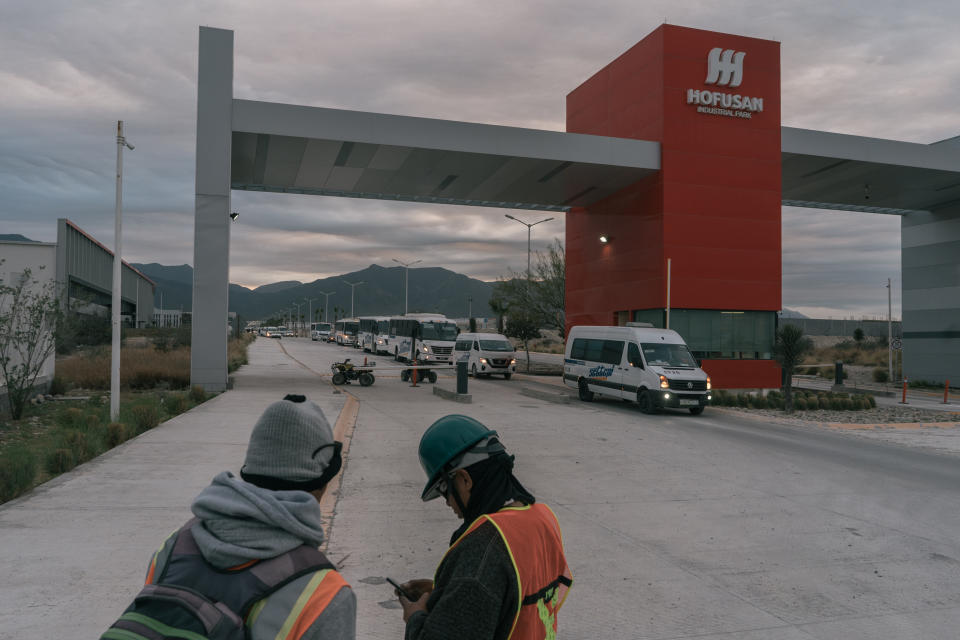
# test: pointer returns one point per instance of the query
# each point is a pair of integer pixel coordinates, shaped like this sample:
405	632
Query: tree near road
523	327
789	350
30	316
541	295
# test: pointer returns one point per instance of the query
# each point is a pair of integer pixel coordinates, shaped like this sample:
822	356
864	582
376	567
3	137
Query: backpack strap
237	589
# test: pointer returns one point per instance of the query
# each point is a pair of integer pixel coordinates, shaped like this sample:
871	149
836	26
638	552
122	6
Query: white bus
345	331
436	336
372	332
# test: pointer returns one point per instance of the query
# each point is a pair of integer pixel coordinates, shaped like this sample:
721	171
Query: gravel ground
878	415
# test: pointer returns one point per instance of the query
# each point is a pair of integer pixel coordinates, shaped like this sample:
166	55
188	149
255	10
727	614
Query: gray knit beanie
291	447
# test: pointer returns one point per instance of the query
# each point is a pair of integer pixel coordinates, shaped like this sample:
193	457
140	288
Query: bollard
904	401
946	392
461	377
414	374
364	360
838	373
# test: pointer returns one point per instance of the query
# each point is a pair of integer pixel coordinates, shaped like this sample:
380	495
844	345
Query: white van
638	362
486	354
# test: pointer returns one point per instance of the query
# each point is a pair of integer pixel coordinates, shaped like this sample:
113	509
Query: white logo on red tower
725	68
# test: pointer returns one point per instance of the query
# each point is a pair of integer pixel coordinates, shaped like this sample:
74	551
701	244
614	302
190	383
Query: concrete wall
40	258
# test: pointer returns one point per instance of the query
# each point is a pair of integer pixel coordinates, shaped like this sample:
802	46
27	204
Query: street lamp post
889	331
296	320
326	304
353	285
406	281
117	274
310	312
529	226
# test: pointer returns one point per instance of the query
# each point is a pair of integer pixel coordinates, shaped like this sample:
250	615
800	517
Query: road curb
447	394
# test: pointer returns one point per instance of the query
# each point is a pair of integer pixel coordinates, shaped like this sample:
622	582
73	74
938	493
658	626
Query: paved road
675	526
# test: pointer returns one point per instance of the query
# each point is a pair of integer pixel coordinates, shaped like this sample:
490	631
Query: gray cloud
69	70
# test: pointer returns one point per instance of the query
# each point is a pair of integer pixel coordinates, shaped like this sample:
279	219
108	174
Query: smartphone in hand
401	591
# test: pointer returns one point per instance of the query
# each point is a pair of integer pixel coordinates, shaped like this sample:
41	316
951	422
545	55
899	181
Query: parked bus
372	328
435	337
320	331
345	331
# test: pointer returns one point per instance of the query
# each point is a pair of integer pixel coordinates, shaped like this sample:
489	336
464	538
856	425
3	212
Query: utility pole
406	281
117	279
353	286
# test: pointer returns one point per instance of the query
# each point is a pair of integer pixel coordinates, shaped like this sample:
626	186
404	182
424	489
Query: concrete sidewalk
74	551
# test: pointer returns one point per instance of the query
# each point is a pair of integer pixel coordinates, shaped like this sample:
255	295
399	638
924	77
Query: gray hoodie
242	522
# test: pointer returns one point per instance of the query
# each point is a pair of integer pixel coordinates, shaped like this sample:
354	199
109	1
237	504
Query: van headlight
483	360
664	383
513	361
708	383
425	349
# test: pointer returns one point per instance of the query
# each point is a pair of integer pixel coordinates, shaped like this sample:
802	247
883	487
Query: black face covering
493	486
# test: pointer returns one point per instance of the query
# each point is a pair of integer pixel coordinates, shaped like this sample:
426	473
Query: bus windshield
668	355
496	345
438	331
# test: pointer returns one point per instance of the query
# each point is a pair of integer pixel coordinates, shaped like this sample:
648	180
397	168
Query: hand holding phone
401	591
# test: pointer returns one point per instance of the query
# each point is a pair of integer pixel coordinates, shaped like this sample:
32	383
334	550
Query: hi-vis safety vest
532	536
247	588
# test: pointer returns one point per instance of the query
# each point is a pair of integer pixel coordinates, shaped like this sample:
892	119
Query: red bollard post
946	392
904	401
414	376
364	360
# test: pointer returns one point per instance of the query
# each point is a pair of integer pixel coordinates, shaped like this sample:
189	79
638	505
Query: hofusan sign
724	68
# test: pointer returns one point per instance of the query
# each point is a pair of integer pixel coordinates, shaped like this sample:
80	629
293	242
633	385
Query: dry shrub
198	394
116	434
59	461
142	368
176	403
18	467
145	417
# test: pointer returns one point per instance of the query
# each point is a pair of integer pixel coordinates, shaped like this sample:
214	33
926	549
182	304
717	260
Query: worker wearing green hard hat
505	574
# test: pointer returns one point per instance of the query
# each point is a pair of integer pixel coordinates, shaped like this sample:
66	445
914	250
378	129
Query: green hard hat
443	442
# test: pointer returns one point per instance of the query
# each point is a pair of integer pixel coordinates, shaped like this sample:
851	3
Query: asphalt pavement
675	526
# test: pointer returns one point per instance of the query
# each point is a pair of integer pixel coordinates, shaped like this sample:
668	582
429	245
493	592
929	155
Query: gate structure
674	151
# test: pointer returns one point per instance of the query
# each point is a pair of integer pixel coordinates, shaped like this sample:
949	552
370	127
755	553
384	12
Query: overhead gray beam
449	135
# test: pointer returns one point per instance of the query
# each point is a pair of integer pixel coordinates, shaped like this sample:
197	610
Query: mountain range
432	289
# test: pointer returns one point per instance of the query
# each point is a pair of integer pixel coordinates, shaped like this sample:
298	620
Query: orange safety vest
532	536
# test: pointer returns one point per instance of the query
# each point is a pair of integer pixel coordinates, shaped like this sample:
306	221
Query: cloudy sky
69	70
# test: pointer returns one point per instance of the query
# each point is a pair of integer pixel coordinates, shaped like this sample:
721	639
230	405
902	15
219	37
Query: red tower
712	100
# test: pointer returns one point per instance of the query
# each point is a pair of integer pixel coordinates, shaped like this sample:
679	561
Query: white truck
638	362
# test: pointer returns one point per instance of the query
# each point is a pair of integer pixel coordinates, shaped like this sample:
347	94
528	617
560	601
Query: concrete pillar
930	263
211	237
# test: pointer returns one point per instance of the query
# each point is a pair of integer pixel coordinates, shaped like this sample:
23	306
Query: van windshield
496	345
438	331
668	355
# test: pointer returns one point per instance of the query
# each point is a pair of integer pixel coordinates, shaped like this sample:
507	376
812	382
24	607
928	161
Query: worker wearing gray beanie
292	447
252	544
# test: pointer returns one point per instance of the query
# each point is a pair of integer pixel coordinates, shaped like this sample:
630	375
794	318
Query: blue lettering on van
600	372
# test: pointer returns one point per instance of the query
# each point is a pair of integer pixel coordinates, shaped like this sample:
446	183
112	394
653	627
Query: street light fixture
406	281
528	225
117	269
353	285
